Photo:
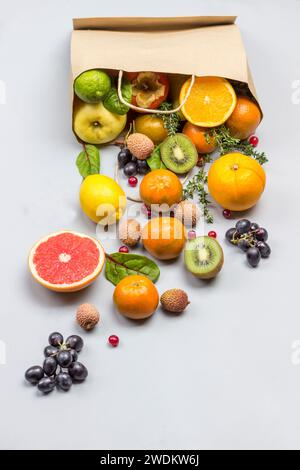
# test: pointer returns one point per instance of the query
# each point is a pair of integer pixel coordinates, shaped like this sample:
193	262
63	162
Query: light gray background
220	375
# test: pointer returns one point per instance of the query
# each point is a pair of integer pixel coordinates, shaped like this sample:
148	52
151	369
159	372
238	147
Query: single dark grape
50	351
74	355
50	365
64	381
243	226
130	169
46	385
56	339
75	342
34	374
253	256
124	156
254	226
243	244
142	167
231	234
264	249
64	358
78	371
261	234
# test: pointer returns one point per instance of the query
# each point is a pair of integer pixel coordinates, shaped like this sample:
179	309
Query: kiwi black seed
203	257
178	153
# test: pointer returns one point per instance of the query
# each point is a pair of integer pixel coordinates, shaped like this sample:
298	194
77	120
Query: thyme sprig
171	121
227	144
197	186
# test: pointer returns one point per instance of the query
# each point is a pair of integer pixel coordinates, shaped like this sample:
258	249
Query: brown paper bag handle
147	110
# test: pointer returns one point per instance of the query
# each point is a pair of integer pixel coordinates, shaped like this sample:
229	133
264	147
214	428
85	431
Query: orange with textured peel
211	102
245	118
164	237
202	138
236	181
161	188
66	261
136	297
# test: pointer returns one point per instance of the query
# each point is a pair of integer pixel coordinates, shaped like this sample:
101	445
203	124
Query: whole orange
161	187
245	118
202	138
136	297
236	181
164	237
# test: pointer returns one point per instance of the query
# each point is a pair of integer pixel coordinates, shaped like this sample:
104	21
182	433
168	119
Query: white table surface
219	376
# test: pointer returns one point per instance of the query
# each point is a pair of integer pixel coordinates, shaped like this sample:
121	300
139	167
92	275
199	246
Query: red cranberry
200	161
132	181
123	249
212	234
113	340
253	140
227	213
191	234
145	209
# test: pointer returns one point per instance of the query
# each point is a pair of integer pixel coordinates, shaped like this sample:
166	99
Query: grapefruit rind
75	286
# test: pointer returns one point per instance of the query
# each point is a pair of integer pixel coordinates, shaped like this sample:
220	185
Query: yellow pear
94	124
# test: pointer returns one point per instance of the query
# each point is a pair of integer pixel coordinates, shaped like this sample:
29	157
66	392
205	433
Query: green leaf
155	161
88	161
120	265
112	102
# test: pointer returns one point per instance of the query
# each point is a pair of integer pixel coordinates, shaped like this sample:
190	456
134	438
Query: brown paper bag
200	45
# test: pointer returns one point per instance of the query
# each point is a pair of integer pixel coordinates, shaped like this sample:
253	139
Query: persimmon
245	118
149	89
136	297
201	137
164	237
236	181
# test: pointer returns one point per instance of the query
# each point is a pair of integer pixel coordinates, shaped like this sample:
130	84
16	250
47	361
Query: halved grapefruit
66	261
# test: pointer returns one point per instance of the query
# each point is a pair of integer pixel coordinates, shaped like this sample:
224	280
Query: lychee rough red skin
87	316
188	213
174	300
130	232
140	145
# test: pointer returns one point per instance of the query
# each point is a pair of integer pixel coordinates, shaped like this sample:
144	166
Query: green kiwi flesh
203	257
178	153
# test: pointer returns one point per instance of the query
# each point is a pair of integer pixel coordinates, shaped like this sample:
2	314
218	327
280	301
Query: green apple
94	124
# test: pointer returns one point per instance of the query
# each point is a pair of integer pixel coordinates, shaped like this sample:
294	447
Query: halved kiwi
203	257
178	153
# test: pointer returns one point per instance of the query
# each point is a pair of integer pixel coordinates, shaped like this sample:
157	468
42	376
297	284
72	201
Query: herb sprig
227	144
197	185
171	121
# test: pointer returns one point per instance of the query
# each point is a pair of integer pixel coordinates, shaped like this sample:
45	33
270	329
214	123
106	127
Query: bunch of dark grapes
131	165
60	367
250	238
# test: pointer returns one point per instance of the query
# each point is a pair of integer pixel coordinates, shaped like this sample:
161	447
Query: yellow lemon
102	199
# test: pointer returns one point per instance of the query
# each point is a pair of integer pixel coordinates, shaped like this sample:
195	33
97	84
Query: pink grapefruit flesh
66	261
